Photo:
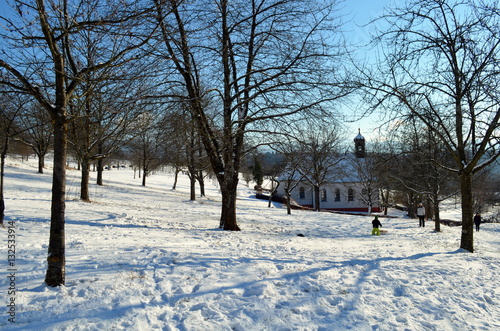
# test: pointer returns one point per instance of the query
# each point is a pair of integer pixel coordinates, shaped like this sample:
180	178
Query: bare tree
441	66
258	62
36	132
486	191
383	163
147	145
364	172
290	176
418	168
174	146
183	147
319	157
194	156
103	121
41	38
10	108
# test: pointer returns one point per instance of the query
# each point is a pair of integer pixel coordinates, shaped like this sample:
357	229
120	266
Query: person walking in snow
376	224
421	215
477	221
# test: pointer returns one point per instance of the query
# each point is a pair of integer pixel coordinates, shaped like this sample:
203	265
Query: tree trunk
2	208
467	240
41	163
175	178
201	182
100	165
84	185
385	201
273	191
192	187
288	202
2	172
191	168
437	219
100	169
56	253
412	210
317	199
145	171
228	213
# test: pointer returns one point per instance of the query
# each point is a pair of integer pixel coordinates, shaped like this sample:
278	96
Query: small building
350	188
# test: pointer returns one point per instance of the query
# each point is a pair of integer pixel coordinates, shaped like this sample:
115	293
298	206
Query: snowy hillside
146	258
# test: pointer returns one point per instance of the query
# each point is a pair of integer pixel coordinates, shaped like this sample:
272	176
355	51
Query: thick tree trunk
192	187
467	240
56	253
228	213
84	185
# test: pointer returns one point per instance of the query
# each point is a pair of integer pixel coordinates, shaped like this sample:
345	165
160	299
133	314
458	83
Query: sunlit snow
147	258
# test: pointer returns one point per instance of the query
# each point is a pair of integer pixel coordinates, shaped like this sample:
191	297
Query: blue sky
361	12
357	14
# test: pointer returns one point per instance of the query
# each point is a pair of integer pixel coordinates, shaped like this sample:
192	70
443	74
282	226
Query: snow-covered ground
146	258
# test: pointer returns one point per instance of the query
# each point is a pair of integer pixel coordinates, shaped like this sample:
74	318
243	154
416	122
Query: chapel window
337	194
350	194
323	195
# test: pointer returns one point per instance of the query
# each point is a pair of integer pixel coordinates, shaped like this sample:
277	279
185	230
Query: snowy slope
148	259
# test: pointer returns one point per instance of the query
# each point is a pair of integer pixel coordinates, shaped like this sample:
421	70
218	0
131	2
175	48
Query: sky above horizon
357	14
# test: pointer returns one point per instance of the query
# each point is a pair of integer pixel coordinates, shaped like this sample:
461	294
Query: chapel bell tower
359	145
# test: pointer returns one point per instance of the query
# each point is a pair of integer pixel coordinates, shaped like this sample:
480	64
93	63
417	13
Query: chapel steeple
359	145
